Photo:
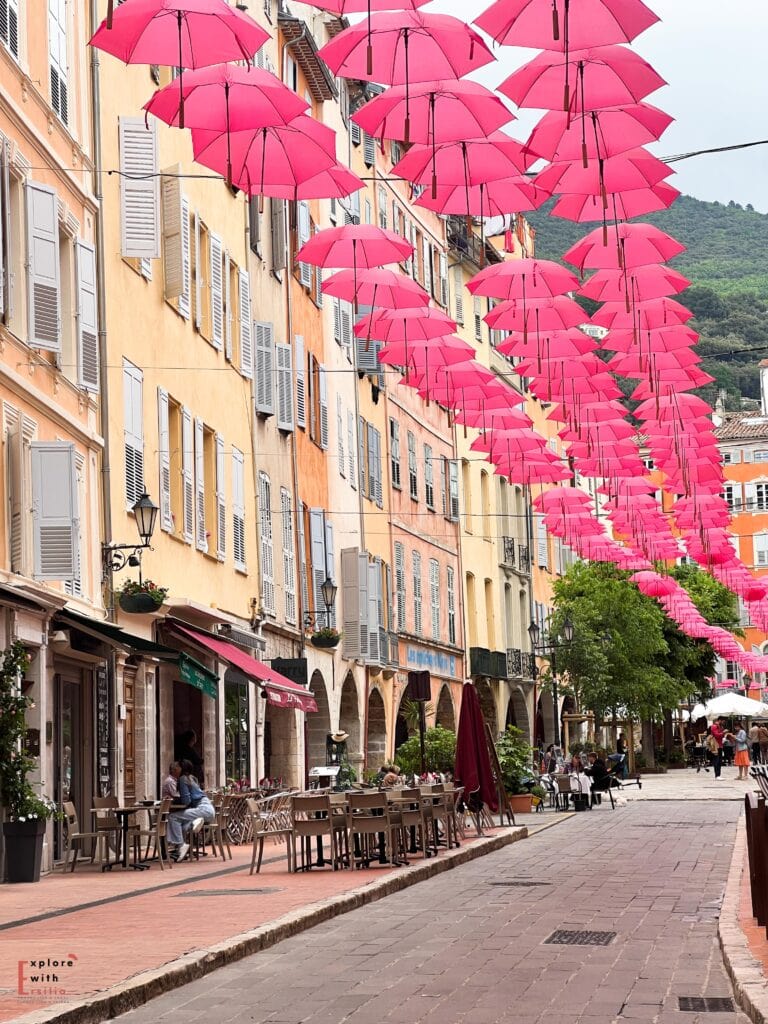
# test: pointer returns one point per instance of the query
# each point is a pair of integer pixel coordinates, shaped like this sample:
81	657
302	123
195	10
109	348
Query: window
57	52
43	268
429	478
267	549
471	610
254	224
451	593
238	509
245	331
264	350
221	498
164	457
139	188
761	455
458	298
55	516
394	452
466	486
416	566
542	542
485	503
761	497
133	422
278	235
761	549
413	475
284	388
375	492
289	556
453	491
340	437
434	596
732	671
362	456
9	25
478	319
729	457
400	584
205	485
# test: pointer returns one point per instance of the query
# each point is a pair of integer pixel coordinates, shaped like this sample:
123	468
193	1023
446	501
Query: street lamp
145	511
315	619
117	556
329	590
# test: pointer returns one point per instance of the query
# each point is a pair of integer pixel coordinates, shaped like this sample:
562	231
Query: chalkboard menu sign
102	732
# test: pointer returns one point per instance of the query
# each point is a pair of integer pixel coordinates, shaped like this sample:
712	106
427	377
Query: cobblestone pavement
463	948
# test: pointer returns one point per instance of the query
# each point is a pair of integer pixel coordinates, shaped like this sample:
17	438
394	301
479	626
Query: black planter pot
138	604
326	642
23	849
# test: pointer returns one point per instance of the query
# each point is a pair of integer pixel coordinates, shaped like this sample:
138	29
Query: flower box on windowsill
141	598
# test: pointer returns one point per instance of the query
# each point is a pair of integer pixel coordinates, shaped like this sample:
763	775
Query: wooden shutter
426	255
267	544
198	277
87	317
139	188
265	362
238	509
354	592
188	475
458	288
227	308
289	557
400	584
173	259
164	458
367	355
302	557
453	484
216	251
351	448
133	433
444	485
201	541
304	230
221	500
443	270
340	436
374	598
369	150
246	326
277	214
55	518
16	451
284	387
417	611
345	315
301	382
374	459
43	286
184	301
434	596
317	556
330	565
324	438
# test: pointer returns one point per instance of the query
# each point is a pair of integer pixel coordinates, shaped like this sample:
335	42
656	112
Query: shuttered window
289	556
429	478
354	595
216	274
382	201
453	491
87	318
478	319
133	383
221	500
228	301
139	188
18	499
43	284
394	452
443	270
59	61
55	516
201	539
323	403
434	596
458	293
188	475
267	544
170	193
542	545
375	492
9	25
416	574
277	222
245	325
413	474
5	228
265	361
369	150
351	448
164	461
375	610
451	594
426	258
301	382
303	232
238	509
284	371
400	584
340	436
318	557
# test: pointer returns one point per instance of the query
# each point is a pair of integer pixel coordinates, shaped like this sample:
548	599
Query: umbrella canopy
649	282
558	313
730	704
596	133
494	199
469	162
376	287
622	205
354	245
523	279
636	169
627	246
390	325
556	24
472	767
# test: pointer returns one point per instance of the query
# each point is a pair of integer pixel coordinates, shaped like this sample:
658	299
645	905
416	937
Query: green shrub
439	752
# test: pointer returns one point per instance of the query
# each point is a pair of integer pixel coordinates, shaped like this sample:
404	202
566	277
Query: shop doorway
187	717
73	749
237	748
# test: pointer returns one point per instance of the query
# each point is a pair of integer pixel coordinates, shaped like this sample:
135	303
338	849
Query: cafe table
123	814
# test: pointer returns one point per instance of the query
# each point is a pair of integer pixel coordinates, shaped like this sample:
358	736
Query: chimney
764	386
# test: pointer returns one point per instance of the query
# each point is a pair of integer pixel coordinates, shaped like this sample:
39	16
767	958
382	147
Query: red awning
281	692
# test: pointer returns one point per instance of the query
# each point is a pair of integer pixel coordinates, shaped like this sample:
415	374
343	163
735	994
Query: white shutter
367	354
221	500
542	547
369	150
382	201
246	327
5	228
43	286
57	51
323	408
340	436
354	620
173	259
400	584
337	320
188	475
9	25
376	489
284	387
443	265
304	231
317	556
374	599
18	500
201	541
267	544
301	382
330	567
289	557
453	490
216	251
434	596
319	286
227	309
139	188
416	568
198	277
238	509
458	287
345	316
164	453
355	134
277	217
265	361
302	559
351	448
87	317
55	519
133	433
184	302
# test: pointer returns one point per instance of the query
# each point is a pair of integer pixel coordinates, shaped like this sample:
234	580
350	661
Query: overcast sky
713	55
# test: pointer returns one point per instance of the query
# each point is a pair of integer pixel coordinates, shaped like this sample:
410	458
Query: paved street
464	949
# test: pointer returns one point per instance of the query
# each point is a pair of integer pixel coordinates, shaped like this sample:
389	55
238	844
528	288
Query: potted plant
141	597
327	637
25	813
515	761
538	793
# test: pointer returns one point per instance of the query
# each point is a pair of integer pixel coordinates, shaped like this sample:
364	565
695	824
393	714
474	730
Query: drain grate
707	1004
562	937
520	883
225	892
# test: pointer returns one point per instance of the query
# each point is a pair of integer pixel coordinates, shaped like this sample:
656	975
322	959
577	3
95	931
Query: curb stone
746	973
136	991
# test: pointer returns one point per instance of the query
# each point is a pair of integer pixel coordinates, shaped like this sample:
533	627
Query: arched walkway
444	713
349	714
488	705
517	708
544	719
376	744
402	730
318	723
511	718
281	746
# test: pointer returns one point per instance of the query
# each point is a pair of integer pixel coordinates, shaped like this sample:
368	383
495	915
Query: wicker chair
75	839
155	836
268	821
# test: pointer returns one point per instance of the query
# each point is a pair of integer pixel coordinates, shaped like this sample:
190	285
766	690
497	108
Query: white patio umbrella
730	704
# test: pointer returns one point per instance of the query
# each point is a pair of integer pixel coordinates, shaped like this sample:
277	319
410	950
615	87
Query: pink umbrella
469	162
606	76
555	314
180	33
434	111
390	325
354	245
624	205
659	339
649	314
425	353
546	24
649	282
628	246
410	47
636	169
523	279
376	287
485	418
334	182
597	134
496	198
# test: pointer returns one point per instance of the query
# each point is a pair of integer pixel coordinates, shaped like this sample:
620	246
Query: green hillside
726	258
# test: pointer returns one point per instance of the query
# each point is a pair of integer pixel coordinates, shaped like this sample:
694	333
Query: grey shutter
340	436
330	567
59	62
201	541
367	355
87	318
355	134
303	232
345	316
198	277
173	261
361	439
265	364
238	509
417	609
216	250
44	289
277	215
139	188
188	475
371	492
221	500
390	605
324	433
317	551
18	500
453	484
301	382
458	287
369	150
284	387
444	485
246	327
133	433
400	585
443	267
374	597
289	556
267	544
337	320
378	495
354	614
164	453
302	560
55	519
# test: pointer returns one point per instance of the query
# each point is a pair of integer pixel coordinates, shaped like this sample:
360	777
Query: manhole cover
522	883
707	1004
583	938
225	892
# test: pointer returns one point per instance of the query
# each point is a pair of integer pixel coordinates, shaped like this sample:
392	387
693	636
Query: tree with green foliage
439	749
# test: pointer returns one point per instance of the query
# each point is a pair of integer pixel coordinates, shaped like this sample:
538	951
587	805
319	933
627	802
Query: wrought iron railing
514	661
523	558
508	550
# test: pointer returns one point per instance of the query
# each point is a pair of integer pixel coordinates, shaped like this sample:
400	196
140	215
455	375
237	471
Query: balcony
529	665
479	661
508	551
498	664
514	662
523	558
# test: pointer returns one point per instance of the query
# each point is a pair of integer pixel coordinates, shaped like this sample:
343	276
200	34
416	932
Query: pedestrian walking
763	743
754	742
741	746
717	733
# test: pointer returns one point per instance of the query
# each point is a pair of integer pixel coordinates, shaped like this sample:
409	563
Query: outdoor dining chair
108	823
313	817
156	836
75	839
267	822
369	816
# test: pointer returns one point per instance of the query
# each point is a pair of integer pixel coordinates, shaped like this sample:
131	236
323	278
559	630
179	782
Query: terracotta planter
138	604
325	642
521	803
23	849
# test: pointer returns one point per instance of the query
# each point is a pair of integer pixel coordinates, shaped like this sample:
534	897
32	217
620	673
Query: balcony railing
514	662
479	661
508	550
498	664
529	665
523	558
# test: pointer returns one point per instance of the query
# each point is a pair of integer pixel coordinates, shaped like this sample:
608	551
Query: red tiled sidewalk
119	939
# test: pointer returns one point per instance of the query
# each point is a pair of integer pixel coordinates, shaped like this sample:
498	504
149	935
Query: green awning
199	676
113	634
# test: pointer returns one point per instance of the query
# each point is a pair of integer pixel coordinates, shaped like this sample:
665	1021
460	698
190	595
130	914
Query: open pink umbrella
435	111
335	182
657	339
552	314
186	34
648	282
376	287
628	246
426	353
650	313
468	162
623	205
623	173
491	199
523	279
390	325
596	134
558	344
354	245
556	24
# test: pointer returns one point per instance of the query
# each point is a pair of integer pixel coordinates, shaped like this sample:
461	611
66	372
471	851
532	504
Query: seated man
599	775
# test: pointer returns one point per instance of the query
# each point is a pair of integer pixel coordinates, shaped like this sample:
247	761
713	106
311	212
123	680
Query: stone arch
445	714
281	746
349	714
402	729
488	704
544	719
319	722
517	712
376	742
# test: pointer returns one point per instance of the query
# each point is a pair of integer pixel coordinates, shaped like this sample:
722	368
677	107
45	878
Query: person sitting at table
171	782
198	811
392	778
598	774
580	781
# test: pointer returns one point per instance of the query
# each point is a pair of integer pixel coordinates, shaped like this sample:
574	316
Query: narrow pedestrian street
470	946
